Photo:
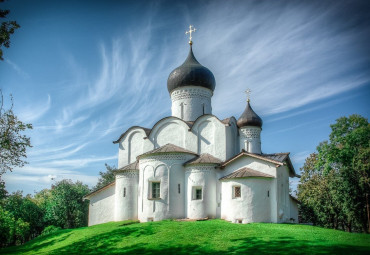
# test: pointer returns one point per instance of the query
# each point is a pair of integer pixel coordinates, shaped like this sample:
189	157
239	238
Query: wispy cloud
17	69
32	113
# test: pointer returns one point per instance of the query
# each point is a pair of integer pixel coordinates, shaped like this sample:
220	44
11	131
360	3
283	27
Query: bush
50	229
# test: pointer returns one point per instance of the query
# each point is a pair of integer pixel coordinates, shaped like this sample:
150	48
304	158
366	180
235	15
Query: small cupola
249	118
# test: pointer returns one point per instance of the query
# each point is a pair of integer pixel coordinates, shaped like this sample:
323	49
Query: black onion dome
191	73
249	118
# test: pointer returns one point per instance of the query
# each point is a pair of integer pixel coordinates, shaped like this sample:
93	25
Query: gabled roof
168	148
204	158
132	166
278	159
99	190
245	172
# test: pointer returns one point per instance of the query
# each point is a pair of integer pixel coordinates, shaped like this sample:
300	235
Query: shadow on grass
110	242
106	244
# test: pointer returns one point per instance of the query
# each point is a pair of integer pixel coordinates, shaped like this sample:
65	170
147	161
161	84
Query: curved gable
169	130
131	145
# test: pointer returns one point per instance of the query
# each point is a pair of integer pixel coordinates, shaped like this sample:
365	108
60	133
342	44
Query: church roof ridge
245	172
275	158
100	189
132	166
204	158
146	130
167	148
190	124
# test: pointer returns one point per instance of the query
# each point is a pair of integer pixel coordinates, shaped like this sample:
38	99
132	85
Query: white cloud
32	113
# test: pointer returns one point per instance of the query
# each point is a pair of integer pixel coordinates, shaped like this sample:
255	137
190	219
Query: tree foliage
105	177
335	186
7	28
13	144
65	207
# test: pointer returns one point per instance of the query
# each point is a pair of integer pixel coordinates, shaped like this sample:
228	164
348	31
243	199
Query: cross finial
248	92
191	30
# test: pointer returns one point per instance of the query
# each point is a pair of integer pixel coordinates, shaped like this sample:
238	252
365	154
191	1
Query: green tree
7	28
13	144
26	210
65	207
335	188
105	177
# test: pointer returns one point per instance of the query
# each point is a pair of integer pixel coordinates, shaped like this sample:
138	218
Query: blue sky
83	72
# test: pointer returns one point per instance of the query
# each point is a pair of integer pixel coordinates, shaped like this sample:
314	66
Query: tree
65	207
6	29
335	186
13	144
105	177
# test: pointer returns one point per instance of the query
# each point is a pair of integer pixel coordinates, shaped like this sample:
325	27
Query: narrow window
156	190
268	193
178	187
203	108
182	110
124	192
246	146
237	192
198	193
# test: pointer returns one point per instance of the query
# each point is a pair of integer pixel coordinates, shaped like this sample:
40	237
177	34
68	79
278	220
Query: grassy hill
201	237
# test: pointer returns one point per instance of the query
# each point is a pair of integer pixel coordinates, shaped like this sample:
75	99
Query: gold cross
248	92
189	32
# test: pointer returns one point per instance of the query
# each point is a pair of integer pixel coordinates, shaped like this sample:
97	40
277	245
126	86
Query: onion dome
249	118
191	73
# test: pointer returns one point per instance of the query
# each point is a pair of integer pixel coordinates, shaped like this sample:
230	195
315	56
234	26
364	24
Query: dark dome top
191	73
249	118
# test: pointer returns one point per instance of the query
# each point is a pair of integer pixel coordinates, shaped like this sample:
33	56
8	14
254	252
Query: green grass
201	237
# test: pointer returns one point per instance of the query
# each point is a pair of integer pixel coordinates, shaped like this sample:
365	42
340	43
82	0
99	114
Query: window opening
156	192
268	193
124	192
237	192
197	193
178	187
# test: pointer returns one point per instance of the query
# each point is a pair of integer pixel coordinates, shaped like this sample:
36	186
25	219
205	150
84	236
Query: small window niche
237	192
178	188
155	190
239	221
124	192
197	193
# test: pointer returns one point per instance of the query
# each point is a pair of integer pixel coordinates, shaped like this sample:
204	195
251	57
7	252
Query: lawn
199	237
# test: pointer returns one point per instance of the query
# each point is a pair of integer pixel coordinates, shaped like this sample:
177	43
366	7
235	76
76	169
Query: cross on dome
248	92
189	32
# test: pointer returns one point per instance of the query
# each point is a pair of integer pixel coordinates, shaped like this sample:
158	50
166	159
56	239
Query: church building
192	165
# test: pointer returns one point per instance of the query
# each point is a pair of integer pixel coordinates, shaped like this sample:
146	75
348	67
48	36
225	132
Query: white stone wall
168	170
204	177
126	195
293	210
250	139
101	207
258	165
254	203
283	199
190	102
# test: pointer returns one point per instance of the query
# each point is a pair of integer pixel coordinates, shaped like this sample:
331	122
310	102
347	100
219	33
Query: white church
192	165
